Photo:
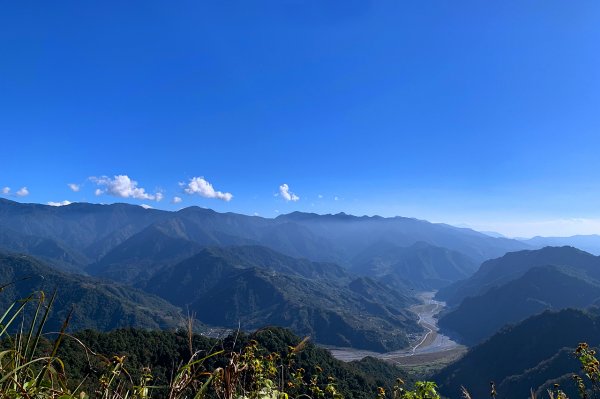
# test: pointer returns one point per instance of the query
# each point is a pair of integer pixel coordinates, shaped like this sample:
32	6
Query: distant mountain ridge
512	265
91	232
45	249
79	228
588	243
142	254
518	285
353	234
293	271
421	265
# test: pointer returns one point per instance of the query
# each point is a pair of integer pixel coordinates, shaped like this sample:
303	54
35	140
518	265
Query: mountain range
343	279
532	355
108	240
97	304
518	285
420	266
247	287
256	286
589	243
321	275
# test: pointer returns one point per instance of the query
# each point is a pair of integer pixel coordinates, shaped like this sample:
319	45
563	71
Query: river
430	343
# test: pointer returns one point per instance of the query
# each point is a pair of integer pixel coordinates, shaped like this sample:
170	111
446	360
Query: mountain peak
7	201
196	209
297	215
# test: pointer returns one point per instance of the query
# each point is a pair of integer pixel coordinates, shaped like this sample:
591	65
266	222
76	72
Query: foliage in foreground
32	366
39	364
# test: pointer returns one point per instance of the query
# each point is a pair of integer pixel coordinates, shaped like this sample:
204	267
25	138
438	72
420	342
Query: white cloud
176	200
256	214
123	187
23	192
284	191
62	203
198	185
6	190
146	206
74	187
159	196
336	198
320	196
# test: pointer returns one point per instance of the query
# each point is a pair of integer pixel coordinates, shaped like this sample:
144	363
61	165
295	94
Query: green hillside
523	356
97	304
253	287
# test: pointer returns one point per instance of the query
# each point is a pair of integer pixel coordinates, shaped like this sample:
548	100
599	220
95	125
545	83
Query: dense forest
272	362
121	287
143	363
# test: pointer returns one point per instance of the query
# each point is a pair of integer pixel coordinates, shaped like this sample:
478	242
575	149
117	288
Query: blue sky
467	112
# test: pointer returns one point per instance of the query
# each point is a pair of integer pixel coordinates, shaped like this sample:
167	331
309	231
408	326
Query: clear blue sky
475	112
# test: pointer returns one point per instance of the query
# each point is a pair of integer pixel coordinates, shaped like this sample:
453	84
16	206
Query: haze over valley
402	290
299	200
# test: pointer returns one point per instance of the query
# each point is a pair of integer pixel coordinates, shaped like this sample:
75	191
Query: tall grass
23	371
28	370
31	370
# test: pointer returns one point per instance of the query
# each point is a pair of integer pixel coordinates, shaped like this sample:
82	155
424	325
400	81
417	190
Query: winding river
431	342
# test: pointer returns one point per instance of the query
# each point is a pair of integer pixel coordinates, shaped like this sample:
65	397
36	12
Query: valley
430	347
319	275
300	200
380	292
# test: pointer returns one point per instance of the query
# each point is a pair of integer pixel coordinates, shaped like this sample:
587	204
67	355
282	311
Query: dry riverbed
428	349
